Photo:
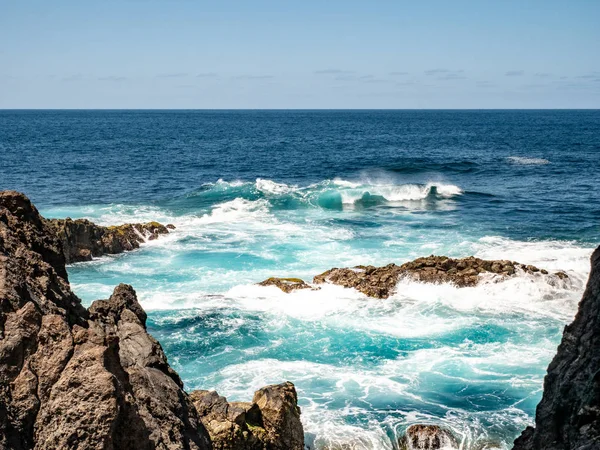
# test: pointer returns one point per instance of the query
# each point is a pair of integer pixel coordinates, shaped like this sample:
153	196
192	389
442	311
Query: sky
299	54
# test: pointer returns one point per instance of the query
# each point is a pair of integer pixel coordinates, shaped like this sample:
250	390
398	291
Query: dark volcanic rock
81	239
73	378
568	416
271	421
32	264
380	282
427	437
77	378
285	284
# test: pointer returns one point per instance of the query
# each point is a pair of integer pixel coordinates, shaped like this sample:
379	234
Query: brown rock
427	437
278	404
380	282
70	378
83	240
271	421
232	426
287	285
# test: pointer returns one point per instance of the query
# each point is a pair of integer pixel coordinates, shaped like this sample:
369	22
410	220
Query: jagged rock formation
271	420
287	285
427	437
81	239
380	282
568	416
77	378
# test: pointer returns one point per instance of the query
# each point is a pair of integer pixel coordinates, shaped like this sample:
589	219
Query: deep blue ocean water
293	193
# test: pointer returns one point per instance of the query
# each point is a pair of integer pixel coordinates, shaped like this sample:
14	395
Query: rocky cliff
568	416
81	239
72	377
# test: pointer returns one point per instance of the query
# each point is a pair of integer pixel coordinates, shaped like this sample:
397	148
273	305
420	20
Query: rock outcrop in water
271	420
568	416
81	239
427	437
287	285
380	282
72	377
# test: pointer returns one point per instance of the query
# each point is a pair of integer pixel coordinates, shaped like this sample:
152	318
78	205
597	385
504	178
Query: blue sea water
256	194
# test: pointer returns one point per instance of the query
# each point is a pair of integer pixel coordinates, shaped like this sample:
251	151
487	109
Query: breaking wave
328	194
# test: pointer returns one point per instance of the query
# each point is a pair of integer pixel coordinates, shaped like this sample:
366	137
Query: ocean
256	194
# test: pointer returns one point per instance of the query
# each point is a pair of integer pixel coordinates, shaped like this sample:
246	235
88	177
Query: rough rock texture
76	378
568	416
380	282
427	437
81	239
271	421
287	285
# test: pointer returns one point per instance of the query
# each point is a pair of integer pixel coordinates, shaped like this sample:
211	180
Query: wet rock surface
427	437
270	421
287	285
568	416
92	378
380	282
83	240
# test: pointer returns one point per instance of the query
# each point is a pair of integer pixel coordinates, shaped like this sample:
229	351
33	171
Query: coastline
110	321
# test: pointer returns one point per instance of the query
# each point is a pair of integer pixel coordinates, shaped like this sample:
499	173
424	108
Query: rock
427	437
380	282
271	421
72	377
83	240
278	404
568	416
287	285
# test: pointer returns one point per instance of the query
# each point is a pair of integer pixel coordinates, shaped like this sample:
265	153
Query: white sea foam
345	183
377	425
236	210
397	193
525	161
271	187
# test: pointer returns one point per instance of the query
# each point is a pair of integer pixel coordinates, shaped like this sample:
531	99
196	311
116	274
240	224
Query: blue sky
300	54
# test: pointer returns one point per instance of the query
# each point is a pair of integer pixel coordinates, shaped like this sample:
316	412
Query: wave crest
328	194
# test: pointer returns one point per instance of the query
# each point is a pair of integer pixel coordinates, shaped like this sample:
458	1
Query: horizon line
302	109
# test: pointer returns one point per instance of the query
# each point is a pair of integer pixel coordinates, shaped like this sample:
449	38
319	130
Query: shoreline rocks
72	377
83	240
271	420
287	285
380	282
568	416
427	437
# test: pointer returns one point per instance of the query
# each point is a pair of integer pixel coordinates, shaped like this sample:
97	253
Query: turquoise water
260	194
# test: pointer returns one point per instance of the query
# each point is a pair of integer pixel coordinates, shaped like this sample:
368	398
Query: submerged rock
568	416
287	285
72	377
427	437
380	282
270	421
81	239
